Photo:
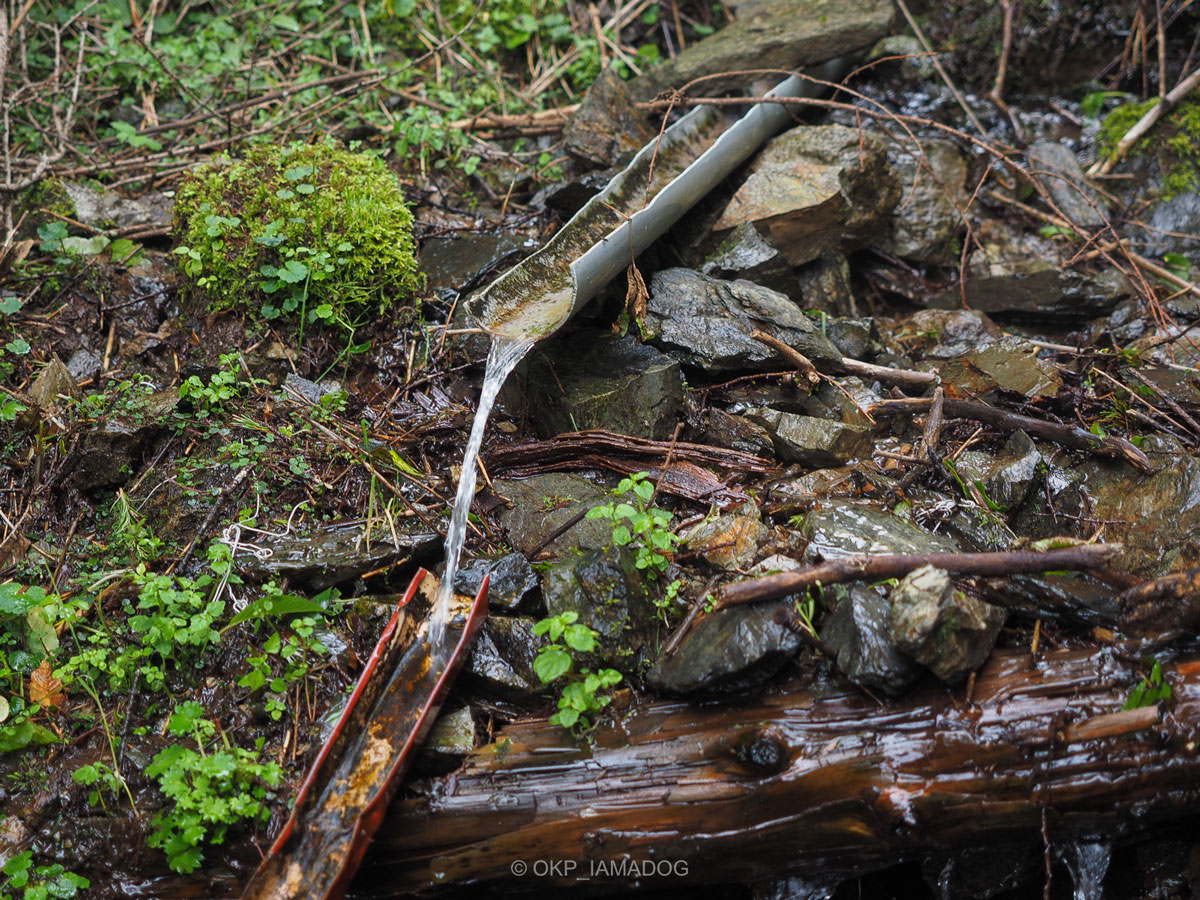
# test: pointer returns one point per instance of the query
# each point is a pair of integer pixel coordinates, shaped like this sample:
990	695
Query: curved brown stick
1067	435
879	568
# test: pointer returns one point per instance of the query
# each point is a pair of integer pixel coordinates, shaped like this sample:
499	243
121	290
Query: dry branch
880	568
1067	435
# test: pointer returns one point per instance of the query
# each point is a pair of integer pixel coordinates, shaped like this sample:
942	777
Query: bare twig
1067	435
878	568
1145	123
933	57
807	370
997	92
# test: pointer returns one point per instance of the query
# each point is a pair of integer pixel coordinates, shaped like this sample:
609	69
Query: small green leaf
293	272
551	663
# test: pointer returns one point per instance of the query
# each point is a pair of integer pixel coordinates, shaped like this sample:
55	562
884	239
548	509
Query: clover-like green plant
643	527
582	696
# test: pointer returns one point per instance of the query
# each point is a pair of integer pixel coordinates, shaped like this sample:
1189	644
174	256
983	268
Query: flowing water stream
503	357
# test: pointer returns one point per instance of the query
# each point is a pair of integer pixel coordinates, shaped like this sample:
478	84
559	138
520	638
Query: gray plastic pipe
535	298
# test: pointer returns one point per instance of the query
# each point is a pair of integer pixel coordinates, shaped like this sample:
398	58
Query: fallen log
807	781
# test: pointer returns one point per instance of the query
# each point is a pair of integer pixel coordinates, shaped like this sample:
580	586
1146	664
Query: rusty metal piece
343	800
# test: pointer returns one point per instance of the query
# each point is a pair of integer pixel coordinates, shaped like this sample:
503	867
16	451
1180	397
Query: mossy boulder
309	231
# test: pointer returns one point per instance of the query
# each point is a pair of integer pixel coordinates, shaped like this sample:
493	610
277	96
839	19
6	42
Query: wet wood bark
814	780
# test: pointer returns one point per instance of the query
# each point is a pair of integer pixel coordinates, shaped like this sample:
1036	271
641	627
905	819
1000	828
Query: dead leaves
45	689
636	295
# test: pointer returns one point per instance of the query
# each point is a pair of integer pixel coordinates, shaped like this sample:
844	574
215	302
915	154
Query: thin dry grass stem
621	17
920	35
997	93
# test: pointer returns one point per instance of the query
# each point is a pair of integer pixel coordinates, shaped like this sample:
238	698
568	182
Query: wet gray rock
859	632
846	529
609	593
311	391
1018	272
114	445
730	651
452	735
942	627
915	67
743	253
1171	221
721	429
544	503
608	382
1008	364
845	402
945	333
1014	471
606	129
825	285
928	226
729	541
1156	517
1074	599
973	528
104	209
1056	167
334	553
855	338
706	322
83	364
772	34
501	662
810	441
512	580
459	263
815	188
111	449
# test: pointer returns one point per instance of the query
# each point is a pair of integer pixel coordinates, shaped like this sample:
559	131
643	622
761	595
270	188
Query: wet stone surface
859	632
512	579
731	651
607	590
501	662
940	626
814	189
335	553
706	322
544	503
612	383
1022	273
811	441
845	529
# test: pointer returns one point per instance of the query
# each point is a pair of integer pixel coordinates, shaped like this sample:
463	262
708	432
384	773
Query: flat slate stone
608	382
706	322
773	34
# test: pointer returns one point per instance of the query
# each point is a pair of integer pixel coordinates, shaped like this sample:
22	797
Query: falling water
502	359
1088	862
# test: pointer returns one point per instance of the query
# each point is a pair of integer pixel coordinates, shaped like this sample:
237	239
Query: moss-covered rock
1174	142
305	230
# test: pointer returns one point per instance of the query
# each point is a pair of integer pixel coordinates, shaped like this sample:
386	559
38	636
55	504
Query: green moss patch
309	232
1175	140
